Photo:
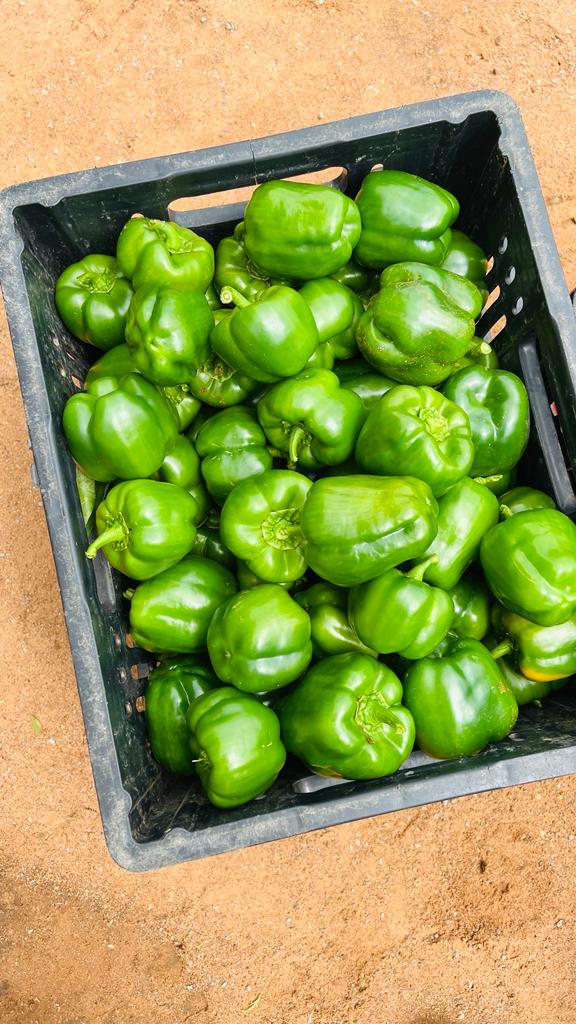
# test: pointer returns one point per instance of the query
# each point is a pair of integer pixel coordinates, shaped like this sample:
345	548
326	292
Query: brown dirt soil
457	912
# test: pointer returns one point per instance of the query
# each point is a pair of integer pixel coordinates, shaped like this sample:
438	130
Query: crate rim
179	845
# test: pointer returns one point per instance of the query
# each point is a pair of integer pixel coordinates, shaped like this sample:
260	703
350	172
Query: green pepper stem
502	649
506	512
485	481
275	452
484	348
129	593
230	295
113	535
296	439
417	573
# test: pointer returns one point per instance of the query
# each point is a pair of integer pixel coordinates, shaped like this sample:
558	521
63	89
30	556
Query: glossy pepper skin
404	217
270	338
460	701
525	690
312	419
160	252
120	428
172	688
144	527
417	432
465	514
117	362
471	599
236	745
220	385
345	719
479	354
232	446
466	258
529	562
358	376
336	311
496	403
92	298
260	523
234	268
332	633
182	466
360	279
522	499
397	613
168	333
171	612
259	640
541	653
419	324
293	229
357	527
209	544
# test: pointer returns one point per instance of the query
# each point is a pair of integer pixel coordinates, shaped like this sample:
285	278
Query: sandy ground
457	912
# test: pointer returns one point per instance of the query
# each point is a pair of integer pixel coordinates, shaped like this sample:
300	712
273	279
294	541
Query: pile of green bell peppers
312	478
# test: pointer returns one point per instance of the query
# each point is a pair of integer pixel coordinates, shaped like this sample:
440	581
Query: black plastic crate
475	146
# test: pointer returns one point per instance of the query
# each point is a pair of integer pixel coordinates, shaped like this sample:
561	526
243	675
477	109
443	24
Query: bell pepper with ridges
404	217
232	446
182	466
345	719
541	653
236	745
161	252
93	298
332	633
299	230
168	333
496	403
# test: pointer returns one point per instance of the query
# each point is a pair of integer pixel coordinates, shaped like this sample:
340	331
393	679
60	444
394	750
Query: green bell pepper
466	258
357	527
171	612
460	701
336	311
232	446
471	599
465	514
93	297
234	268
220	385
322	358
312	419
521	499
419	324
172	688
397	613
541	653
496	403
404	217
168	333
259	640
144	527
236	745
269	338
417	432
526	691
360	279
119	428
345	719
209	544
117	362
358	376
331	630
248	579
260	523
182	466
293	229
160	252
529	561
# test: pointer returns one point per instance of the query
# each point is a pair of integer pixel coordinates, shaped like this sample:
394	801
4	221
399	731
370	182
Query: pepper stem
297	437
506	512
417	573
129	593
113	535
502	649
230	295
